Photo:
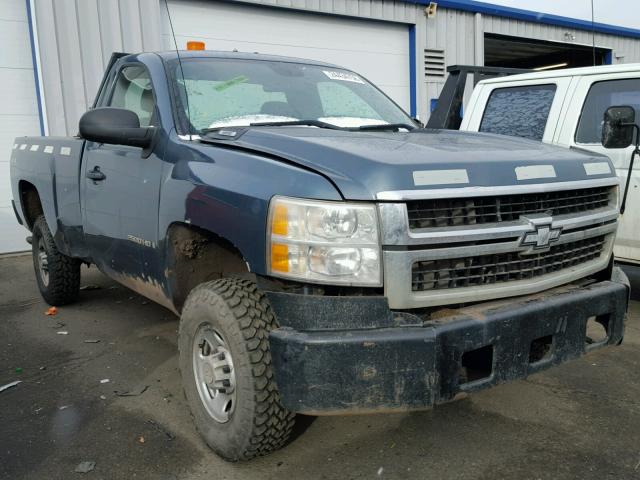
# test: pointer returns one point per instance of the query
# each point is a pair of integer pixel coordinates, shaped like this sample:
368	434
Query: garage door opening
514	52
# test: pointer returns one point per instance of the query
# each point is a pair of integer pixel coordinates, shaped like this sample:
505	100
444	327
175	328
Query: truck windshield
238	92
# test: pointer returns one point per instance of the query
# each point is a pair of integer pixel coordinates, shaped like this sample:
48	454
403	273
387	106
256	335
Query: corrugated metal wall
388	10
461	36
76	38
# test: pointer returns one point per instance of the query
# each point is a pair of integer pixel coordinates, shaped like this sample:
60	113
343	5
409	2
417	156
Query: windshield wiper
290	123
386	126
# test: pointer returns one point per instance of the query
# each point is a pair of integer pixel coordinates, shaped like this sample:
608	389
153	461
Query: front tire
57	275
226	369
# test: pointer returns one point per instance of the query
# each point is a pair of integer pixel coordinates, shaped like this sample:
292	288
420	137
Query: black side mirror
617	132
618	127
116	126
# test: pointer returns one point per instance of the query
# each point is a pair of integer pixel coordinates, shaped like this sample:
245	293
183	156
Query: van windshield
238	92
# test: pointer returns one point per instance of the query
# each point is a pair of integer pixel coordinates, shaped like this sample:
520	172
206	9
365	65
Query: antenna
593	35
184	82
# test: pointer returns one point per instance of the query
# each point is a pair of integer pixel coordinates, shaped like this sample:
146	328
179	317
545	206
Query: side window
518	111
341	101
133	92
601	96
103	95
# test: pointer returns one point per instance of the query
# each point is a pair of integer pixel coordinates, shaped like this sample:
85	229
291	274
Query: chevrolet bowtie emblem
542	236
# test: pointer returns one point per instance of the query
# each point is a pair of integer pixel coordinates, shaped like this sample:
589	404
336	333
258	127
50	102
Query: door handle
96	175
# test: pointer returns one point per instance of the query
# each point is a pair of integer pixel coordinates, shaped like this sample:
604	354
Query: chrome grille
451	212
502	267
480	251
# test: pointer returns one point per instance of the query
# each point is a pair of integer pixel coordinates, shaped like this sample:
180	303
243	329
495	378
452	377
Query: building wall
461	36
70	32
75	41
19	110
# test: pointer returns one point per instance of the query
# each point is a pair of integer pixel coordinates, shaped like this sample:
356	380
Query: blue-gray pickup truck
326	254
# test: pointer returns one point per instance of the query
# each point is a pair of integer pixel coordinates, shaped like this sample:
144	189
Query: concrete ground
580	420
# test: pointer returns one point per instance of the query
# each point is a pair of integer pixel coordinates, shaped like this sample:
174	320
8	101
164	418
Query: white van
566	107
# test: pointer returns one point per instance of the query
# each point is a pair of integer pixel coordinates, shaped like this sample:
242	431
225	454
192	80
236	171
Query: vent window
434	63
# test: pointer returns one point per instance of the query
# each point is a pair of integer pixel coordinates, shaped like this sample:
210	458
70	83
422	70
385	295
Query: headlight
324	242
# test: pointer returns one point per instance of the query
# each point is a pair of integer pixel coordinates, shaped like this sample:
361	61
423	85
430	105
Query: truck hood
368	165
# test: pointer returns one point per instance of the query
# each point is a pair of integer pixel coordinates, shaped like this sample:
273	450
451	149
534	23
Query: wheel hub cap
214	373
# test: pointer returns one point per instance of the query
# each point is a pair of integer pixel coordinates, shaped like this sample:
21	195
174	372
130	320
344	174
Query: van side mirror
115	126
617	132
619	126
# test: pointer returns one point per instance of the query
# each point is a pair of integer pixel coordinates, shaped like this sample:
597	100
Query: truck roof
567	72
172	55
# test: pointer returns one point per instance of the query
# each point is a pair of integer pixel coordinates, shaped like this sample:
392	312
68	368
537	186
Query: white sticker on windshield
598	168
344	76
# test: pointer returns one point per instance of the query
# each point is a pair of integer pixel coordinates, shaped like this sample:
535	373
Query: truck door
584	125
121	189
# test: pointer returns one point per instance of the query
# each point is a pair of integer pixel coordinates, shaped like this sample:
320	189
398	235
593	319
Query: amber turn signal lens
194	45
279	257
280	222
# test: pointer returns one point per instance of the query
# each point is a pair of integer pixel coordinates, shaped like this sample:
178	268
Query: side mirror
116	126
618	127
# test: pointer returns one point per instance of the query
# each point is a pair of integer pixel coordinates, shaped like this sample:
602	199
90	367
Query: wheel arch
30	203
196	255
35	202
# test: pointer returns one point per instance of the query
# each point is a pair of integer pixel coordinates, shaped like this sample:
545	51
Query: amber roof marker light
195	45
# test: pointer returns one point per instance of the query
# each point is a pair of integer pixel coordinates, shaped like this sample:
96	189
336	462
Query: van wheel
57	275
226	369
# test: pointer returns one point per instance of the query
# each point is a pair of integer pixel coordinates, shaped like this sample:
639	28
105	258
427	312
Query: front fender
227	192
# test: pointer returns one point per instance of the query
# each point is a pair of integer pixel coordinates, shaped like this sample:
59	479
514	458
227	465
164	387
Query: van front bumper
343	355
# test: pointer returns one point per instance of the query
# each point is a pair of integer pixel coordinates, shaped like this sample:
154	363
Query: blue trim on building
413	108
608	57
530	16
35	67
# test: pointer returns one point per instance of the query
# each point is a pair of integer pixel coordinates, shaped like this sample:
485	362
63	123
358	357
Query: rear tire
226	370
57	275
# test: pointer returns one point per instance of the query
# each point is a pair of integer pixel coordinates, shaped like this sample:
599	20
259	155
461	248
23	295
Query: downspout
37	67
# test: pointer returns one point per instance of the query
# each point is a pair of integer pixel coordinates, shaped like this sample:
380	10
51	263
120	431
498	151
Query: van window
518	111
601	96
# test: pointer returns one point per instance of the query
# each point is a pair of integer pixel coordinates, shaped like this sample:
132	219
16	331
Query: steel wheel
43	262
226	369
214	373
57	275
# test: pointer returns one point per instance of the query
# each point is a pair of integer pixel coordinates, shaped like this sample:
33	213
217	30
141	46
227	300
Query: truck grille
451	212
502	267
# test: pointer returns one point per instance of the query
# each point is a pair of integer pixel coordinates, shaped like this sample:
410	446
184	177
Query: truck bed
51	165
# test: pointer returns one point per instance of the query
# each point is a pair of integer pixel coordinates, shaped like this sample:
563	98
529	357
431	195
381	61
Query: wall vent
434	63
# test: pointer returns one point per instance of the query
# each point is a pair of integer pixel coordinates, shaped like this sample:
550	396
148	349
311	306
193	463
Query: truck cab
565	107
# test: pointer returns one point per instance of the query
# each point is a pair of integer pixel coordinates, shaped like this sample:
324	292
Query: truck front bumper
414	364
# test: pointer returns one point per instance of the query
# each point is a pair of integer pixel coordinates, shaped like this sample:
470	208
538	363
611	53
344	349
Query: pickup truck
565	107
325	253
